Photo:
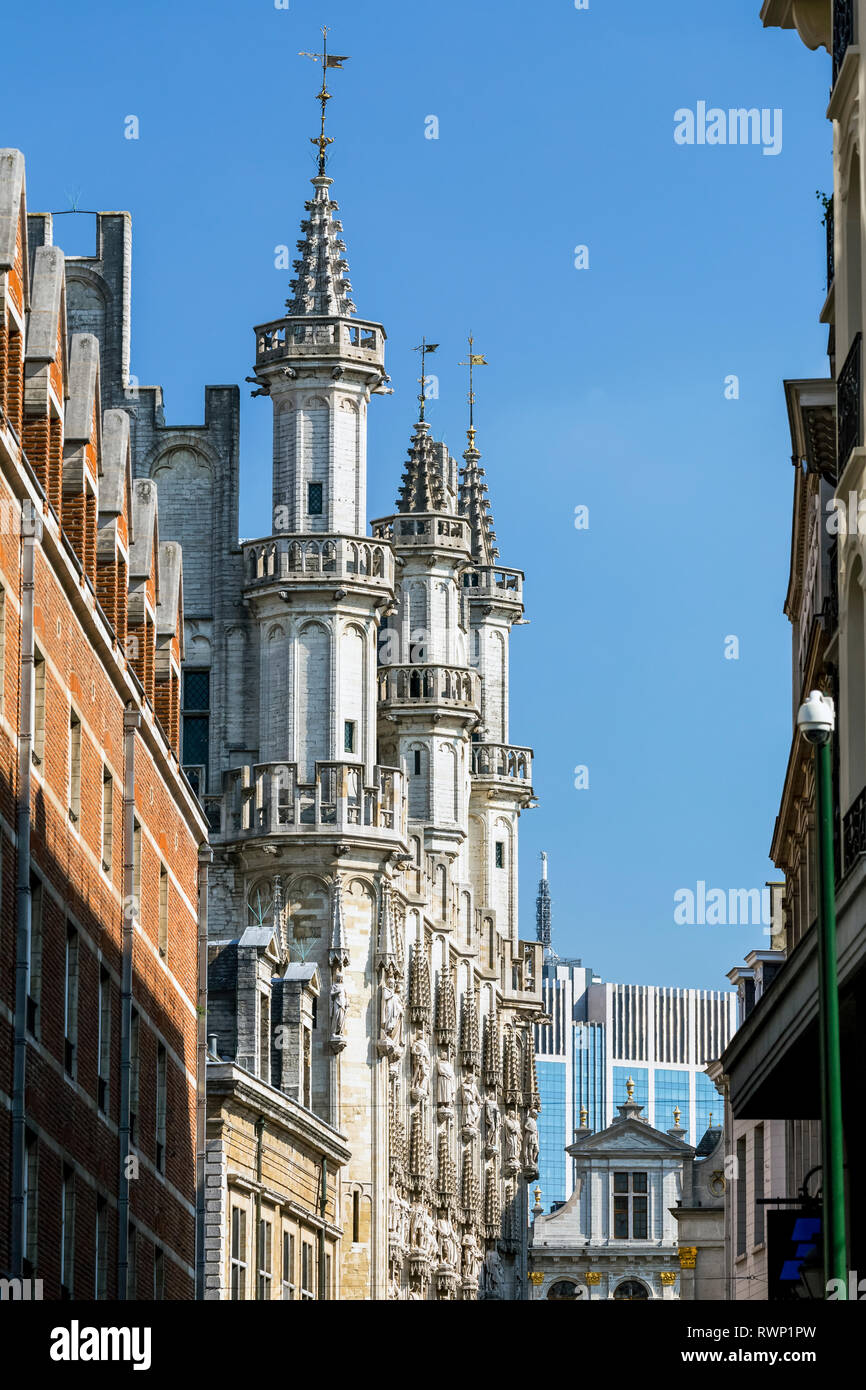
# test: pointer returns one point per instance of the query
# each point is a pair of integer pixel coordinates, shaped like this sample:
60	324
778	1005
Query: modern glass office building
601	1034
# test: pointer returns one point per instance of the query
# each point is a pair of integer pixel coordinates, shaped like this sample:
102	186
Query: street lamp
817	720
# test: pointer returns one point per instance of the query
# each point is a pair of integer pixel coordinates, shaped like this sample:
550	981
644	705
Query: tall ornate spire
321	286
473	502
423	489
542	908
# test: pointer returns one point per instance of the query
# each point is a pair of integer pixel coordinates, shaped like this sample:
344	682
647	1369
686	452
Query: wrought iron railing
843	32
849	405
830	229
854	830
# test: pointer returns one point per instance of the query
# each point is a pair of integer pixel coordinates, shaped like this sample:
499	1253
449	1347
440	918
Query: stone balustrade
494	580
502	761
430	529
288	558
430	684
319	337
269	799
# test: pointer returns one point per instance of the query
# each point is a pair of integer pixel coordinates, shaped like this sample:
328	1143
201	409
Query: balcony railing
317	337
843	32
494	580
502	761
305	557
269	799
854	830
425	529
849	405
830	229
430	684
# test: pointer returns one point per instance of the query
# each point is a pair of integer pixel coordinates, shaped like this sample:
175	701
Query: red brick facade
62	1209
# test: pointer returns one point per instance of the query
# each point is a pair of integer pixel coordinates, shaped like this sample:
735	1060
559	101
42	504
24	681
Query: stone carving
512	1142
493	1274
391	1038
492	1121
530	1146
445	1082
471	1257
339	1006
471	1098
420	1068
449	1250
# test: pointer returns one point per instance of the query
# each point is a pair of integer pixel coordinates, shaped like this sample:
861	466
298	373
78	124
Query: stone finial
339	953
422	488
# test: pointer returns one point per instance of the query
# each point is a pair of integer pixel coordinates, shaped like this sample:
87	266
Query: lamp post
817	720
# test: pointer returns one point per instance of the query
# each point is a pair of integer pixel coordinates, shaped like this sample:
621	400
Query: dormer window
630	1206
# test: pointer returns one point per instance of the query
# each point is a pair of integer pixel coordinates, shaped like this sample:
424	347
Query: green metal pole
832	1138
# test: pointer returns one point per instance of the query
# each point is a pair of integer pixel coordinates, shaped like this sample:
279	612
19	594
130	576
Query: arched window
631	1291
564	1291
260	904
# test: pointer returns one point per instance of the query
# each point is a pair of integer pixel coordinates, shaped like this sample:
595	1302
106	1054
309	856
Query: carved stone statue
492	1119
445	1083
471	1257
493	1273
339	1004
420	1068
431	1242
391	1039
417	1235
449	1250
530	1144
471	1098
512	1142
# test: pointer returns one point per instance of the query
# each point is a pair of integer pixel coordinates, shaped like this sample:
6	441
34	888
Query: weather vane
476	359
328	60
424	347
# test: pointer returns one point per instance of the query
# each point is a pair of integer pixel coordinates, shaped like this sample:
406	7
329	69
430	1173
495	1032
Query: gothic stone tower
372	833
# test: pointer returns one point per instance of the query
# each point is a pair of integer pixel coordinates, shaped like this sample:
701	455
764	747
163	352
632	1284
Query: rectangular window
500	854
107	818
417	762
265	1038
134	1075
195	720
31	1205
349	736
158	1275
288	1266
2	647
630	1206
758	1183
239	1254
740	1180
136	869
315	498
132	1256
307	1270
34	957
74	768
67	1232
161	1106
104	1038
265	1255
101	1272
38	707
70	1003
328	1293
163	910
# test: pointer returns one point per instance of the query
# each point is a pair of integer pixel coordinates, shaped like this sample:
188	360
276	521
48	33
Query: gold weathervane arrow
476	359
328	60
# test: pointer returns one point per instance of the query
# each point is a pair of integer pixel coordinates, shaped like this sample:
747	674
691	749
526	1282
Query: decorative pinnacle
424	347
629	1089
328	60
476	359
677	1116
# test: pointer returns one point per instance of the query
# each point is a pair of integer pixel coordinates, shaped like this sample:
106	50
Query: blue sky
605	386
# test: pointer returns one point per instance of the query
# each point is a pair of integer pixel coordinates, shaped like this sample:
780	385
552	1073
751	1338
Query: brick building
102	843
